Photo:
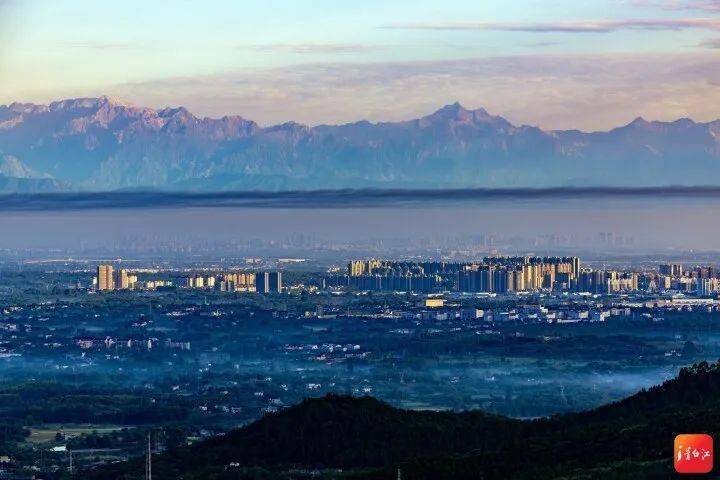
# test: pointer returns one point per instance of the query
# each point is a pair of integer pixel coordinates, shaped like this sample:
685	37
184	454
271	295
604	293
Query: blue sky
559	64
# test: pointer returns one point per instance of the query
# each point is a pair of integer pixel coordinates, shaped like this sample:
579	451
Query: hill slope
100	144
369	439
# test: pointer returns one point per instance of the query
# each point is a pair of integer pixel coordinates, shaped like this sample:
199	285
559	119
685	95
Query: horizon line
326	199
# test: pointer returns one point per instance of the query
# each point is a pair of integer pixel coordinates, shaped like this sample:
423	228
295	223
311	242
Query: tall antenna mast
148	460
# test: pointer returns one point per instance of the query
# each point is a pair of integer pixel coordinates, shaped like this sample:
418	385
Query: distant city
523	274
530	279
110	278
491	275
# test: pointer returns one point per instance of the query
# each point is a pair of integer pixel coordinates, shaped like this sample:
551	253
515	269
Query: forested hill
369	439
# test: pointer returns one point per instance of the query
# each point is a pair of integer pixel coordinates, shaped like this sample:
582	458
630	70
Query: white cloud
710	43
569	26
312	48
698	5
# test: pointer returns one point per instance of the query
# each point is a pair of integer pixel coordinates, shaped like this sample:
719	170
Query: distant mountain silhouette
16	177
369	439
100	144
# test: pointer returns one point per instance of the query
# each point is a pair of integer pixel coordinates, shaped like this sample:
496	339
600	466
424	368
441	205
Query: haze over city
654	224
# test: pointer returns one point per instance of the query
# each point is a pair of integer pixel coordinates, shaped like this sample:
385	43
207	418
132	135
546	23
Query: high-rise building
122	279
706	286
105	277
620	282
268	282
671	269
563	281
704	272
195	281
663	282
575	267
591	281
362	267
502	280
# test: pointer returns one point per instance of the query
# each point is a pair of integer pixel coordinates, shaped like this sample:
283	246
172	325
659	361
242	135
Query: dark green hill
370	439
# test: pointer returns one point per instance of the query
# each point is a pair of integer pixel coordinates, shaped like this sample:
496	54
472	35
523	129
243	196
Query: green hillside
346	437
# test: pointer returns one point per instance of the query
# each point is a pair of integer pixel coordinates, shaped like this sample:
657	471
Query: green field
46	433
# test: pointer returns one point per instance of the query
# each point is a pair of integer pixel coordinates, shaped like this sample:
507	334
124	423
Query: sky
592	65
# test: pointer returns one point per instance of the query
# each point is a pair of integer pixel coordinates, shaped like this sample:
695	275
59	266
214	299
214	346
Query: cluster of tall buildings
263	282
359	268
110	278
600	281
701	280
387	275
676	270
707	286
492	274
671	269
238	282
704	280
386	283
509	274
268	282
517	274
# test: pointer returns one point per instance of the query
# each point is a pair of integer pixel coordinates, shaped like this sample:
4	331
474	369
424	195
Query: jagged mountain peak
684	122
456	113
642	127
639	122
290	127
88	103
20	108
451	111
174	112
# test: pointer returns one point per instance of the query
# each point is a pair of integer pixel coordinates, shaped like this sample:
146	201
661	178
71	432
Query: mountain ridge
102	144
452	111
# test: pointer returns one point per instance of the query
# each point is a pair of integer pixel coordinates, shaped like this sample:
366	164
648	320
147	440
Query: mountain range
99	144
342	437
